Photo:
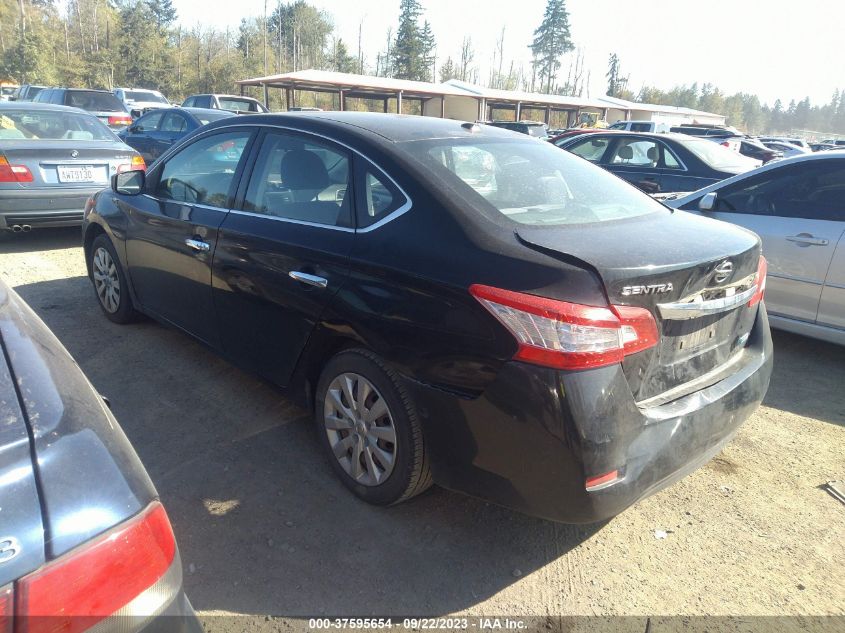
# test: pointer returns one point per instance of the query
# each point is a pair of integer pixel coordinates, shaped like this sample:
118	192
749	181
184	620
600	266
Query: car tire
360	406
109	282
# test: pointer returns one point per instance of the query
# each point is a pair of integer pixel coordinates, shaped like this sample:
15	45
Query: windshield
144	95
52	125
716	156
532	183
94	101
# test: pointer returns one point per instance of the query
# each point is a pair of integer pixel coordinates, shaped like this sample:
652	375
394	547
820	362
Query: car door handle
807	240
311	280
197	245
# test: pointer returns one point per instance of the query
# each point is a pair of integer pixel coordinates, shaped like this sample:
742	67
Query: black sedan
659	162
457	303
84	540
153	133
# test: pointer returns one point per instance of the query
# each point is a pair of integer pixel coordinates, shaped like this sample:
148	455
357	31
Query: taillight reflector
759	282
602	481
95	580
14	173
567	335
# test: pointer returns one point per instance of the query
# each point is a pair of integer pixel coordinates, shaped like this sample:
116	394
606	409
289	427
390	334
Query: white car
141	100
797	206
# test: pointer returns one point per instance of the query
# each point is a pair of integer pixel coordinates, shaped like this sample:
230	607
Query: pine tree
407	56
613	76
448	70
428	50
551	40
164	13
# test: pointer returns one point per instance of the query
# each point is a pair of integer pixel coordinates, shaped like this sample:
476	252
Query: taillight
13	173
120	120
759	282
6	609
725	144
137	164
133	570
568	335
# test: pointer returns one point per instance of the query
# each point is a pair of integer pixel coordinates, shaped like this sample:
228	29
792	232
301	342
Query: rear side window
202	172
174	123
301	180
530	182
377	196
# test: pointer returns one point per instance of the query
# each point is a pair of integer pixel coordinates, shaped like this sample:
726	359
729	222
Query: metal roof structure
527	99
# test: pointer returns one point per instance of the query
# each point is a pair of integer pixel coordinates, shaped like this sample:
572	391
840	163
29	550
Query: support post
548	114
399	102
518	110
385	106
266	96
287	99
442	106
242	90
342	100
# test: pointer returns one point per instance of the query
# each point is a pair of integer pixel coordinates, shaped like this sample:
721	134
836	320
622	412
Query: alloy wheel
106	280
360	429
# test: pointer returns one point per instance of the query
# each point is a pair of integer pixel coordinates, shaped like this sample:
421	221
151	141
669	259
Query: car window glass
670	161
640	127
173	123
300	180
202	172
636	153
803	190
93	101
149	122
380	197
189	102
591	148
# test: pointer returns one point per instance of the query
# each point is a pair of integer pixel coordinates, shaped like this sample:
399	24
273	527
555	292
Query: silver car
797	206
52	160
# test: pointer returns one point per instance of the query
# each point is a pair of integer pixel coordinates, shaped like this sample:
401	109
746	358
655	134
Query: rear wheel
370	430
110	282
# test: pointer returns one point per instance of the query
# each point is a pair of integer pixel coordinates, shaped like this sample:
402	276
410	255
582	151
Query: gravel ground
264	527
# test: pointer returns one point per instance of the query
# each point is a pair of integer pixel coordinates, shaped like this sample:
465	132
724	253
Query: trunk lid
66	163
675	265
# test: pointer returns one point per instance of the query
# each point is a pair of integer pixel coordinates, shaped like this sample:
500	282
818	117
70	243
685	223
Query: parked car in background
752	148
52	160
839	142
156	131
140	100
726	136
639	126
797	206
659	162
531	128
800	142
6	91
101	103
560	135
85	540
610	343
26	92
232	103
786	149
821	147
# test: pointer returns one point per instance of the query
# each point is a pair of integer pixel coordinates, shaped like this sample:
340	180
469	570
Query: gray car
797	206
84	538
52	160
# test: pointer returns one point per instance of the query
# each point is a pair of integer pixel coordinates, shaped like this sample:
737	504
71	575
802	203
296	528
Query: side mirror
707	202
128	183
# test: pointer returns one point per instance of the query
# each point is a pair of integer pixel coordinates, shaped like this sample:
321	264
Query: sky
772	48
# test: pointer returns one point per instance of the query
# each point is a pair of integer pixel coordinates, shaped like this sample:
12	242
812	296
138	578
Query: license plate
77	173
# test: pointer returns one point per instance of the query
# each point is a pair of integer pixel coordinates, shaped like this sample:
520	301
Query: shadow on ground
263	525
40	240
805	367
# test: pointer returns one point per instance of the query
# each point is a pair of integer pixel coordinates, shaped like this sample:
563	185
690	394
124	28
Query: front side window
202	172
636	153
302	180
530	182
148	122
591	149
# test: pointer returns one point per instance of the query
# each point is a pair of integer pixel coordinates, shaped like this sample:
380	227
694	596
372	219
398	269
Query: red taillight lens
6	609
120	120
131	570
725	144
759	282
137	164
14	173
602	481
568	335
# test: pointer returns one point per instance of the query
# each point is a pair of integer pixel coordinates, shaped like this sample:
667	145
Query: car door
284	252
139	134
637	160
172	230
793	208
172	126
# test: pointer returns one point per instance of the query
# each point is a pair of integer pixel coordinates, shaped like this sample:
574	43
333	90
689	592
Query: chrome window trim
277	218
188	204
404	208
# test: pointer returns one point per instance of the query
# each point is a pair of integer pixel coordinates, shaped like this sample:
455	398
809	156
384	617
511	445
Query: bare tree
467	57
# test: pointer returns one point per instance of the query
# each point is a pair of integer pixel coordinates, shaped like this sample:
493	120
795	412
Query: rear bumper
178	617
44	207
535	435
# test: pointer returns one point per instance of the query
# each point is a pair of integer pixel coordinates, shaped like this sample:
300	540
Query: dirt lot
264	527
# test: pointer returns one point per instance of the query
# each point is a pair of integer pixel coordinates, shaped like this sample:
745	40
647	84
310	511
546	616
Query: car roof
674	136
392	127
37	105
800	158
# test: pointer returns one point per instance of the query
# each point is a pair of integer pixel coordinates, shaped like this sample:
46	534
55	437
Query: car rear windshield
532	182
715	155
94	101
213	115
144	95
242	105
52	125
